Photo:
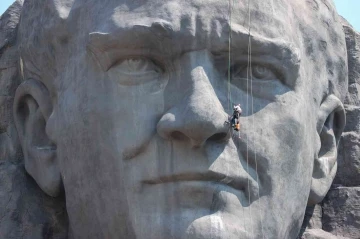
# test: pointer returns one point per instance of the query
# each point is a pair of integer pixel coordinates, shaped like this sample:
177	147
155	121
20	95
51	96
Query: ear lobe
330	125
32	109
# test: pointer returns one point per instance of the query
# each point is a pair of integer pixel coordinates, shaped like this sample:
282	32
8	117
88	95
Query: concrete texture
25	211
319	234
9	81
122	109
341	212
349	150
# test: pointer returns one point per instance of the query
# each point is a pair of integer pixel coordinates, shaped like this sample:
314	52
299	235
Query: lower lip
195	194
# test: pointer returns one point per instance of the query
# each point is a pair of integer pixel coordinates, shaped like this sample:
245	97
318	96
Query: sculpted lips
239	183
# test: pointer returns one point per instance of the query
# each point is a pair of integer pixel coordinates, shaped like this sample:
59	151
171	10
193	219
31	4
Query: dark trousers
233	120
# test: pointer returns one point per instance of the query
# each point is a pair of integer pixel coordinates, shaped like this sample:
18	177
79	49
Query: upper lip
246	184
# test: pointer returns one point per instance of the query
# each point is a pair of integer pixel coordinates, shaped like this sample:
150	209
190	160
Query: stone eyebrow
266	50
277	47
105	45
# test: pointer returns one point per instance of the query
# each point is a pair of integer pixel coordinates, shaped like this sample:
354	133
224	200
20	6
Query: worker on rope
235	118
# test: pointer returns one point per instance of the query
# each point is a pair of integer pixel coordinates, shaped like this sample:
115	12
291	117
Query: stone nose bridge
199	115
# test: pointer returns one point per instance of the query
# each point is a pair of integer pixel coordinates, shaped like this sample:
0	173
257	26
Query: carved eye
261	72
136	70
258	72
138	66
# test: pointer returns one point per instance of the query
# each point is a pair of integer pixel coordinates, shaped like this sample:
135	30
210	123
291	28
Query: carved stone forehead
268	18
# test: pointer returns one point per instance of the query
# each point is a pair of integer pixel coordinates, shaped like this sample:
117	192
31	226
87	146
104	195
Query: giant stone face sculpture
124	104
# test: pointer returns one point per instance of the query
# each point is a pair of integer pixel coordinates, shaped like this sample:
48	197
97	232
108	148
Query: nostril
177	135
218	137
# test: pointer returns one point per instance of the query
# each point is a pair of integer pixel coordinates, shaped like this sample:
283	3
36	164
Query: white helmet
237	108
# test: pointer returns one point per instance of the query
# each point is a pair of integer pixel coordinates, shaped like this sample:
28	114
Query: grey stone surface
349	160
9	81
25	211
349	151
123	104
341	212
8	24
353	46
315	217
319	234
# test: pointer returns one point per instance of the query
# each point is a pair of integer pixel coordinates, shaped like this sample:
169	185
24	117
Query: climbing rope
247	109
229	68
249	72
249	78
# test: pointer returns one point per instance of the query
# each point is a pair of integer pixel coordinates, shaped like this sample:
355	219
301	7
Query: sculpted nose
198	117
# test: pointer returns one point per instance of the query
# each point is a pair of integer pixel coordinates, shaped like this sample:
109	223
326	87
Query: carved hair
44	40
324	43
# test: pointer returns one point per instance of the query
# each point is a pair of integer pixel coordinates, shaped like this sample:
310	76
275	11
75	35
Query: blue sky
4	4
350	9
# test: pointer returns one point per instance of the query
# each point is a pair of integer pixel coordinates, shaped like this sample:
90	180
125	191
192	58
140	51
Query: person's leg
233	121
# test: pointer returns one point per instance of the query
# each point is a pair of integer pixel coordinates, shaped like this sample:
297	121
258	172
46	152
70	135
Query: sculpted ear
32	109
330	125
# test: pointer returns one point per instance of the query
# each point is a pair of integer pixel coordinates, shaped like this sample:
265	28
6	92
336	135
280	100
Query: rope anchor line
249	78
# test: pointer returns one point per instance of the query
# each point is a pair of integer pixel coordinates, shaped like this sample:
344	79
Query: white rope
229	68
253	117
249	73
247	113
229	81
